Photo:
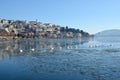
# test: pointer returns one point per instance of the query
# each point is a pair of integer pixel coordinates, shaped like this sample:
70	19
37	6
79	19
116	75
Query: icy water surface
60	59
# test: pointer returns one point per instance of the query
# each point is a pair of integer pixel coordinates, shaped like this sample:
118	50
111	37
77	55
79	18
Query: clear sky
88	15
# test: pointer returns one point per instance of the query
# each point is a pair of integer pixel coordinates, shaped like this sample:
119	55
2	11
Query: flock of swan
21	50
73	47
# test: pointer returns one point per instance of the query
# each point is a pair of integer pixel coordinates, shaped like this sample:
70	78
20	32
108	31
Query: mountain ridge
110	32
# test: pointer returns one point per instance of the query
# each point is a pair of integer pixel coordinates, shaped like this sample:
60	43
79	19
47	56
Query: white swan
32	49
21	50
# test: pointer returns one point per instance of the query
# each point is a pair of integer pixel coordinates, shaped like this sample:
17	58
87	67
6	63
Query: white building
4	21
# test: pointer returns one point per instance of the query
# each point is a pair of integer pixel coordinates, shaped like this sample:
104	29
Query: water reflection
34	46
59	59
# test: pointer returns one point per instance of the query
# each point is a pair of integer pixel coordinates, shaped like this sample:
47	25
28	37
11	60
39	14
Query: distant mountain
112	32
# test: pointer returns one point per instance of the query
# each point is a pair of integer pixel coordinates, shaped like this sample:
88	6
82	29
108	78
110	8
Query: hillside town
34	29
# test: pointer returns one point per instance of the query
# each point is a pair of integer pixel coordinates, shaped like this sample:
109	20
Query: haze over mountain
112	32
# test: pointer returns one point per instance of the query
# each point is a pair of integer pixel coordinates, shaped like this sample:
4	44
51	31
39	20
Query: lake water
60	59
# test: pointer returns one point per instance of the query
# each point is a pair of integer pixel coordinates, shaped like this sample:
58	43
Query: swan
32	49
21	50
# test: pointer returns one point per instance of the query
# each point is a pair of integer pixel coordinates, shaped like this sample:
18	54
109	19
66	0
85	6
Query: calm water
60	59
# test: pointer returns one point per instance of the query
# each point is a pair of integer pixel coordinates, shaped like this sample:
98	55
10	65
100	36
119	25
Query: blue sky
88	15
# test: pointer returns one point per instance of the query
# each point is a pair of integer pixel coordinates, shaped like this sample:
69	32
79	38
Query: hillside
112	32
31	29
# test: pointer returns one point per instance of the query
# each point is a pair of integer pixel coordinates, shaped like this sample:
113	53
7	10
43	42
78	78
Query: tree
62	29
66	28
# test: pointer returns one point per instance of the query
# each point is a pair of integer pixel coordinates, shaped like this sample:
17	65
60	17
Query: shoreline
7	38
